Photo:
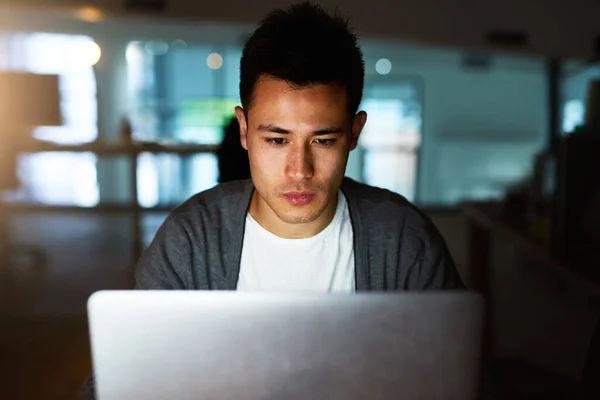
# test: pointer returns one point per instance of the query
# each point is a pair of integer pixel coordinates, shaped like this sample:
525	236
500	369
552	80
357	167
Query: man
298	224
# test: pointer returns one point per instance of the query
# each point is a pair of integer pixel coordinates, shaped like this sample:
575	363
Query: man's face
298	142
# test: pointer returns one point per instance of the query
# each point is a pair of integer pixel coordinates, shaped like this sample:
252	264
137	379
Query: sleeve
87	391
166	263
433	267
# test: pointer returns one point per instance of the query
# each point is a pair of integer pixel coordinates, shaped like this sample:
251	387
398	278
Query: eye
325	142
276	141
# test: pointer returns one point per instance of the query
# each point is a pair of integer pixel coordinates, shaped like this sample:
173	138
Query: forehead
277	98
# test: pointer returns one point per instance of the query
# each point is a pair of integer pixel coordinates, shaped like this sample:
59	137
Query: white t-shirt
322	263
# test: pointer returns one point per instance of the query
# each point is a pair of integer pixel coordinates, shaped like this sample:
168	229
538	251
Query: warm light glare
89	14
92	53
383	66
214	61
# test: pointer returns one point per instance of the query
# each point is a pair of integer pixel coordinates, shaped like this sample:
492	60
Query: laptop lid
259	346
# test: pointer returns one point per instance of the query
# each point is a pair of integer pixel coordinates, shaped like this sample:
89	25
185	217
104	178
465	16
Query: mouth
299	198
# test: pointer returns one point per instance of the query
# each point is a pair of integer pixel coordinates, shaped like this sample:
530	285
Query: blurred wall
481	125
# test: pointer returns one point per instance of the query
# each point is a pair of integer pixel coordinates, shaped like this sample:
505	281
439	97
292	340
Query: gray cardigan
199	246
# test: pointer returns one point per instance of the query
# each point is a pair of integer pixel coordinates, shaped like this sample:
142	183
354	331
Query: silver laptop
266	346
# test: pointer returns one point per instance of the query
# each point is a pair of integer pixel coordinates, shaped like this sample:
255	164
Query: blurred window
573	115
391	138
183	93
59	178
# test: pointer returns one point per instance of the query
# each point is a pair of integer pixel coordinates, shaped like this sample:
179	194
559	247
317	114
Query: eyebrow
276	129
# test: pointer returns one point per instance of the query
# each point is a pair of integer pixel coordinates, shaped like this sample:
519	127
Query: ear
358	123
241	117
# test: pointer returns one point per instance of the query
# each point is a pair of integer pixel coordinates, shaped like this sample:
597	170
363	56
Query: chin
298	216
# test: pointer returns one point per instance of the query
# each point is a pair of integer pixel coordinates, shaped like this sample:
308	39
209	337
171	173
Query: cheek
262	157
331	164
266	167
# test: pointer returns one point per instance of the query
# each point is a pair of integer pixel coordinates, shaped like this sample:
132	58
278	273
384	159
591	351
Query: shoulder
216	209
221	196
382	206
225	198
202	227
394	227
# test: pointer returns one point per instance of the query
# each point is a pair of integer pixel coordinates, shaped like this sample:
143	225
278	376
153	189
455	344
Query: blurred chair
26	100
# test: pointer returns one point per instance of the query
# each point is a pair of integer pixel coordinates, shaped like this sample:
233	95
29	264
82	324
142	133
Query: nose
299	162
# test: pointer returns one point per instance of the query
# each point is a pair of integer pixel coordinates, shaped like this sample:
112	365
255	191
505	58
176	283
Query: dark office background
464	99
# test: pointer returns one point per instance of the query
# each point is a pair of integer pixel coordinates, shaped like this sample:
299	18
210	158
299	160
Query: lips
299	198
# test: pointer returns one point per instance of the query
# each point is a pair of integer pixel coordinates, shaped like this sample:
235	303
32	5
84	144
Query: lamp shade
28	100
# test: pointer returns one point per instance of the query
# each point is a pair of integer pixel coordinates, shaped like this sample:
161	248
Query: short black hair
303	45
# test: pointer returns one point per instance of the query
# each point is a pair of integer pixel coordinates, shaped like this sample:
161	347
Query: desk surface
490	216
